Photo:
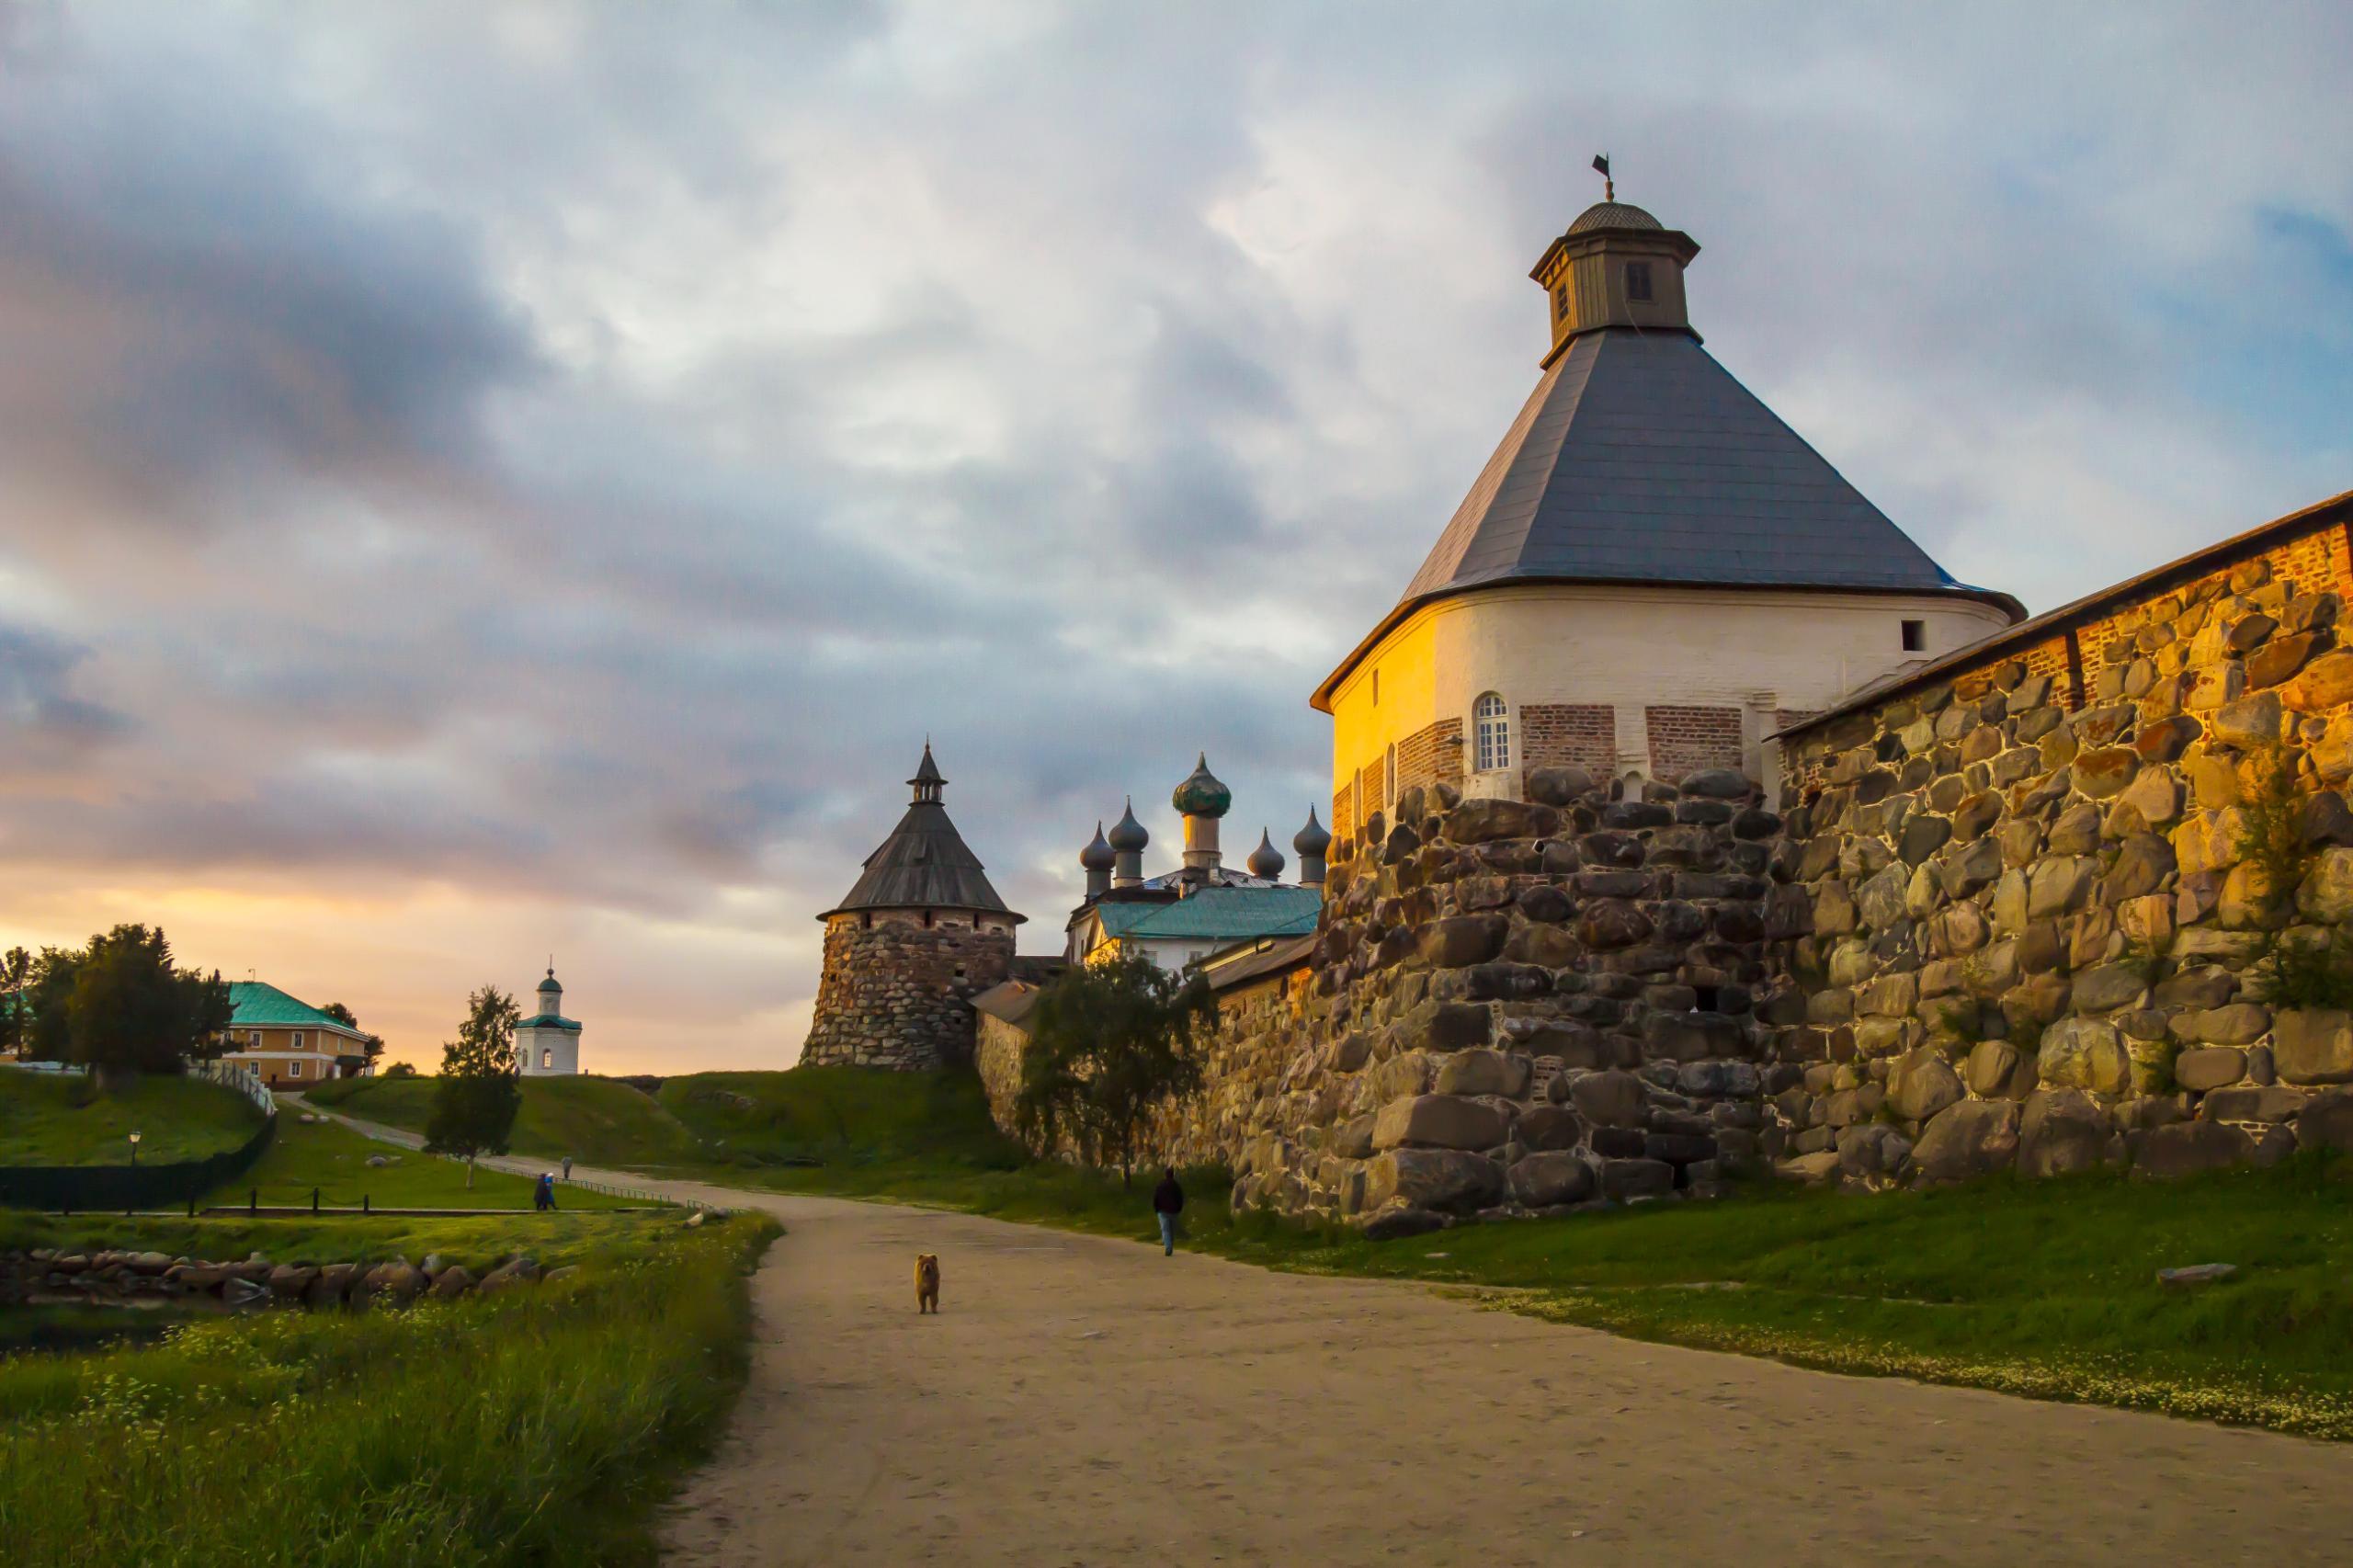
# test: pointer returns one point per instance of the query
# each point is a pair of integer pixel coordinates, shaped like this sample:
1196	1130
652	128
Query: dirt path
1086	1400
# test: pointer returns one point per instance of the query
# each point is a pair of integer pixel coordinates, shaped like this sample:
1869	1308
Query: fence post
363	1203
315	1200
253	1201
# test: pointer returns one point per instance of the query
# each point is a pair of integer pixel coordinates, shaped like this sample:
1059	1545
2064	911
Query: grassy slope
596	1121
53	1118
334	1159
537	1427
841	1116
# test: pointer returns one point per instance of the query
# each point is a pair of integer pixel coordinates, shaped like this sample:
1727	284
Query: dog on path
926	1282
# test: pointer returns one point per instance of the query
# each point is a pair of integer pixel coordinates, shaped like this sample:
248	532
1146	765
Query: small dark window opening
927	919
1706	997
1638	280
1560	301
1376	688
1915	636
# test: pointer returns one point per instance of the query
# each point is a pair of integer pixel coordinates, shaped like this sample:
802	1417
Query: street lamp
134	1148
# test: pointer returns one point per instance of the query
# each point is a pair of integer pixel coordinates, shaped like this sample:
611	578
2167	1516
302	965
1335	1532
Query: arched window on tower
547	1057
1491	728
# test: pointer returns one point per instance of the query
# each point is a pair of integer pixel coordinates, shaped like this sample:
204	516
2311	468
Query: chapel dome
1128	834
1266	860
1613	215
1201	795
550	984
1312	841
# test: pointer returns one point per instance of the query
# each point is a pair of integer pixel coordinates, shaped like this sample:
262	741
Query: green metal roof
549	1021
258	1004
1224	914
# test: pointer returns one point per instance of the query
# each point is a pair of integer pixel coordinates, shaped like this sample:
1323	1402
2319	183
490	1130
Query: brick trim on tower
1574	734
1685	740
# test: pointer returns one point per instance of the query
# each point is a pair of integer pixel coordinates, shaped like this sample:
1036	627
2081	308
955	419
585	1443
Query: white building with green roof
547	1044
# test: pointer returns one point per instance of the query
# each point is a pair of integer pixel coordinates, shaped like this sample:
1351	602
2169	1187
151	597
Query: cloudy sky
481	481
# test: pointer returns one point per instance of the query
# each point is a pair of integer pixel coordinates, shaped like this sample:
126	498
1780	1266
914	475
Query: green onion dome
1201	795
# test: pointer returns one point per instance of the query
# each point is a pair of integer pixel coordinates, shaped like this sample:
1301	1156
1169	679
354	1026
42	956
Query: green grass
58	1119
334	1159
597	1122
537	1427
841	1116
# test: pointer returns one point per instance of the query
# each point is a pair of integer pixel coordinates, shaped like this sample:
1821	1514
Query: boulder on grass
1544	1179
453	1282
507	1275
2189	1147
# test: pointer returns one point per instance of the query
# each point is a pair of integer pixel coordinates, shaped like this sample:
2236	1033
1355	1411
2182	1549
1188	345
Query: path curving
1080	1399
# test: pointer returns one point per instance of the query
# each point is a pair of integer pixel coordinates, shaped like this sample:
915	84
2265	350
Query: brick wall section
1685	740
1580	735
1432	754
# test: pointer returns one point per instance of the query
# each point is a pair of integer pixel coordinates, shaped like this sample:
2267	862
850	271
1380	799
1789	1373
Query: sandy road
1086	1400
1081	1401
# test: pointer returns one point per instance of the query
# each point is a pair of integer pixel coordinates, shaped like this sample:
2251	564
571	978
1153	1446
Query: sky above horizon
486	483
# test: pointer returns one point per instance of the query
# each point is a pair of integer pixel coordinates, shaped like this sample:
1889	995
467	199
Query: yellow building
1652	575
288	1042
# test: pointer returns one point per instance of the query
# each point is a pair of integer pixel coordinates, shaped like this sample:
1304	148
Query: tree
16	1005
1113	1043
371	1045
130	1011
47	1035
475	1099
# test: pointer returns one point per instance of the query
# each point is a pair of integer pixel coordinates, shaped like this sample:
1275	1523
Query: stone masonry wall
2035	926
898	994
1514	1007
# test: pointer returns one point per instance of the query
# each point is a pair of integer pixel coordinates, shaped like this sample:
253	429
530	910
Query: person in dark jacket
1168	1202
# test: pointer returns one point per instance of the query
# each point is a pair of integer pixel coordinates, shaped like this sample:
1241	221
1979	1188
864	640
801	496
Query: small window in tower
1709	997
1560	301
1491	731
1389	778
1638	280
1915	636
1376	688
547	1057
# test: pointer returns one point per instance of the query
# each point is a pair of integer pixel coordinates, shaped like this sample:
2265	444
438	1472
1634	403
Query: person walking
1168	1202
544	1199
567	1167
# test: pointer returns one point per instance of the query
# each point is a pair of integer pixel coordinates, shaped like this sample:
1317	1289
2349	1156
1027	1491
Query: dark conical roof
1098	856
925	863
1639	459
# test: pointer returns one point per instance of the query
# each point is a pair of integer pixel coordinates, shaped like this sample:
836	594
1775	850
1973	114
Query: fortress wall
2014	918
2038	926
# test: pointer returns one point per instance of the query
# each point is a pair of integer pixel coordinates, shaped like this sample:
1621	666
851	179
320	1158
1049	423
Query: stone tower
920	934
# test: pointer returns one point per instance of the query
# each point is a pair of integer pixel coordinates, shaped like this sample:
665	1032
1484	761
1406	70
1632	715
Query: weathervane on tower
1608	186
